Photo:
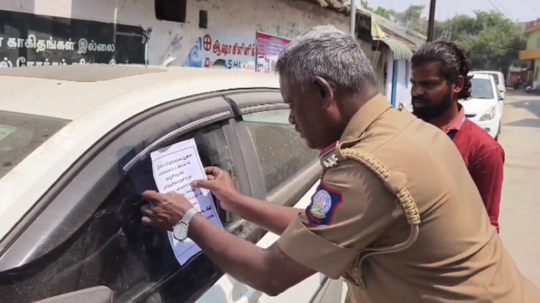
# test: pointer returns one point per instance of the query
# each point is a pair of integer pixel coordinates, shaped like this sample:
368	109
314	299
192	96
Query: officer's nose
291	118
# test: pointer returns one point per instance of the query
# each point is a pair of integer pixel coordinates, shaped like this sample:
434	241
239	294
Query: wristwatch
180	230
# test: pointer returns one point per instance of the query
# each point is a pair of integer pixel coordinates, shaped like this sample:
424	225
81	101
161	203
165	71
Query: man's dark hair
453	59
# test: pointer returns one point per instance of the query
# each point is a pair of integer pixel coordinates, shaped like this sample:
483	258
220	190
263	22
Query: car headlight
489	114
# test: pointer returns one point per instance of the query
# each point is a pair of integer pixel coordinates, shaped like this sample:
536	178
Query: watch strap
189	215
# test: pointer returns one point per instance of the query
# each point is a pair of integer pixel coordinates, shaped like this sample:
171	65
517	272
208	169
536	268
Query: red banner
268	49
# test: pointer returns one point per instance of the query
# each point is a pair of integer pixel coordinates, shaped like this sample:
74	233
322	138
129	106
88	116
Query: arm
349	212
272	217
268	270
488	175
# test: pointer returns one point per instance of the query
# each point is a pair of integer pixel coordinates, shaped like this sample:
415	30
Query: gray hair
329	53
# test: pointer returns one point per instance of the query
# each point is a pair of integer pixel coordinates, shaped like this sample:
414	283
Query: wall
403	92
532	39
402	84
229	22
536	74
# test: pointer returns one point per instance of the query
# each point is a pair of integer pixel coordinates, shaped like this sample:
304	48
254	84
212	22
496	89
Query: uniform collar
364	117
457	122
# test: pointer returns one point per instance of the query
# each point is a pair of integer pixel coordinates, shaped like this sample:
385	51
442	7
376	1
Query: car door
86	232
289	171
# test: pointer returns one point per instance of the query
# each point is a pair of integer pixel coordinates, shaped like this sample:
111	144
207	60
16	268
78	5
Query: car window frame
60	185
261	101
224	114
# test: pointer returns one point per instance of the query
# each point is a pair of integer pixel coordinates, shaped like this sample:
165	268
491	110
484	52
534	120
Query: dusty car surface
74	158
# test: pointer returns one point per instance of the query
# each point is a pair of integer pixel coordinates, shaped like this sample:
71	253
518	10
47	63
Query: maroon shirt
484	158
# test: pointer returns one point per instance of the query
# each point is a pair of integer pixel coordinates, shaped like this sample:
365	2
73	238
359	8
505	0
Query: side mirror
98	294
501	98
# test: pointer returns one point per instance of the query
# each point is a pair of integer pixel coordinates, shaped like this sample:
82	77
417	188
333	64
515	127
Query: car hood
477	106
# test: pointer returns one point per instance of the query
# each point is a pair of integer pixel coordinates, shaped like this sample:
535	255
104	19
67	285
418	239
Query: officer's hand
220	183
164	210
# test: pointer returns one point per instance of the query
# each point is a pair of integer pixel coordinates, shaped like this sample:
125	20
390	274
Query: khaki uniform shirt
399	217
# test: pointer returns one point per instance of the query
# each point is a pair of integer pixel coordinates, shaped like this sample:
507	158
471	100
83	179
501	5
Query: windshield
481	89
21	134
494	75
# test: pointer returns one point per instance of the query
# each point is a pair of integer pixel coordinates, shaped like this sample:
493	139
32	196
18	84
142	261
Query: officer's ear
325	90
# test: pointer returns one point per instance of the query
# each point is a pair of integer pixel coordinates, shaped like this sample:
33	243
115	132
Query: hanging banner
268	49
35	40
222	51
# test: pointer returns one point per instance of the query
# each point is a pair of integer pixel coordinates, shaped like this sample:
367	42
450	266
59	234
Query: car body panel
72	141
475	108
113	103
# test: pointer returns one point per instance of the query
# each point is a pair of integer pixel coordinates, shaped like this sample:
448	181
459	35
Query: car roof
96	99
482	76
486	72
69	91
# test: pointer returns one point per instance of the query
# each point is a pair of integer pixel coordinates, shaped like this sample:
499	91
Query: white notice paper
174	168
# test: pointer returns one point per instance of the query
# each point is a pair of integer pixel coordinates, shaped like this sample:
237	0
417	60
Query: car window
481	89
495	77
115	250
21	134
282	153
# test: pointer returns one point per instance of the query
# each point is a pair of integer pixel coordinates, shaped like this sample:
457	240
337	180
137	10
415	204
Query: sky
521	10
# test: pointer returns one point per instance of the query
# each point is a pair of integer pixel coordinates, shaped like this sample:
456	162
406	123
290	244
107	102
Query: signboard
34	40
221	51
268	49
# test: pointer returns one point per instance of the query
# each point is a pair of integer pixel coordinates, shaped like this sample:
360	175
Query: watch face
180	232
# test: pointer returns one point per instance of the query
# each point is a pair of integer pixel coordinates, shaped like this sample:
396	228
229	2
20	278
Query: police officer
396	213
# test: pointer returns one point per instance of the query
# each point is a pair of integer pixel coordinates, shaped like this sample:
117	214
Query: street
520	210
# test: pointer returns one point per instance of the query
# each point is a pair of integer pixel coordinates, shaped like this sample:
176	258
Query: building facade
531	55
195	33
146	32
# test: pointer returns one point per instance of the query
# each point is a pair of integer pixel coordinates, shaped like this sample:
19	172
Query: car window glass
21	134
282	153
115	250
481	89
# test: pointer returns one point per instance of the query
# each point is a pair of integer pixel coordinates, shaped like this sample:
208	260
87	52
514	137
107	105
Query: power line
498	9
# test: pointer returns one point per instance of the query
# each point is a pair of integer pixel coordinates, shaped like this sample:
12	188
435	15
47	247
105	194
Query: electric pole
353	18
431	21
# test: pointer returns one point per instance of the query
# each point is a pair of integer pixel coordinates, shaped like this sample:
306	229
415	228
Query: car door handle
241	293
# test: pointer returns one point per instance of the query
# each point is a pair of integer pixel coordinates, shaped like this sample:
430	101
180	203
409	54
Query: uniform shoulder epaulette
328	157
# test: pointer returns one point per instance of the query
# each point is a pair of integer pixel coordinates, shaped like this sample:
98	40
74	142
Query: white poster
174	168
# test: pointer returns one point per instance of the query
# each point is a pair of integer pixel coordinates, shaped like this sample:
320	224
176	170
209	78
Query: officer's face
432	95
313	112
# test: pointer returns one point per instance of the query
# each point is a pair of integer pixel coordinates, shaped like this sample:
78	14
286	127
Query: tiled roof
408	43
343	7
340	6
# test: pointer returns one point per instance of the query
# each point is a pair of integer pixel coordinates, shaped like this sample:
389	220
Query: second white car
485	107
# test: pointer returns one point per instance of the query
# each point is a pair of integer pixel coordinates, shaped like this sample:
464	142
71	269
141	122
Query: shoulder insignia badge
321	211
331	162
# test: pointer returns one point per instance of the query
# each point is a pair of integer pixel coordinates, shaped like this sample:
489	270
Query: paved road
520	210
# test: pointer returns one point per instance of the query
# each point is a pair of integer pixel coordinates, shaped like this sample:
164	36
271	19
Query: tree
413	18
381	11
492	40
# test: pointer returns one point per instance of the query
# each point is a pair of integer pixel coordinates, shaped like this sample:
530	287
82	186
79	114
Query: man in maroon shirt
439	79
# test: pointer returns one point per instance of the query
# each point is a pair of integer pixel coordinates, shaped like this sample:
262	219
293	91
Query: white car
499	80
74	159
485	107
